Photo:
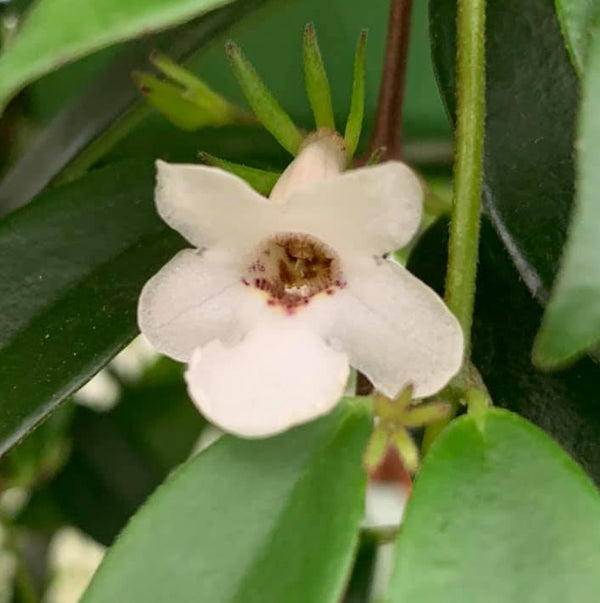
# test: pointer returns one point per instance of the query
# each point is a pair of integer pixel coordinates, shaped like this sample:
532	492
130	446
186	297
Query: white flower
282	294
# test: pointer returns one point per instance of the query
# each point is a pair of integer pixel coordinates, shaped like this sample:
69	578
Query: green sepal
262	181
317	82
376	448
266	108
185	100
376	156
407	449
357	103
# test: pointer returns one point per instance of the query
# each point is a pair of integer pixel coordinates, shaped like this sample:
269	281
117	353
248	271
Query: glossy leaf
564	404
531	104
56	32
107	109
248	521
498	513
576	21
71	269
572	321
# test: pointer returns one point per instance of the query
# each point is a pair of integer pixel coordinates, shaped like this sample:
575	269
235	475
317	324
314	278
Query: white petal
208	205
372	209
321	157
281	374
194	299
396	330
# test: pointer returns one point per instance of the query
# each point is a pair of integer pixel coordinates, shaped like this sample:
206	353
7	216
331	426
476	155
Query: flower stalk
463	247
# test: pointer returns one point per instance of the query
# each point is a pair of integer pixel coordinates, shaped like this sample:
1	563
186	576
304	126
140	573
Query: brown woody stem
387	131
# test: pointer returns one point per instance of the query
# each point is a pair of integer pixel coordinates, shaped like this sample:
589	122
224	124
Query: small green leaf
72	266
56	32
571	323
263	103
357	102
498	513
262	181
576	21
248	521
317	83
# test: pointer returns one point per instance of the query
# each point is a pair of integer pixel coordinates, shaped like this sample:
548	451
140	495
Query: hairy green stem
466	211
463	247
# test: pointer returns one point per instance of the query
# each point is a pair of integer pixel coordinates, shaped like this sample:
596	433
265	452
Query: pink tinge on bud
321	157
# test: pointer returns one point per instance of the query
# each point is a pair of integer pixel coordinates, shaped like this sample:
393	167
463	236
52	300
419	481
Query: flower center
292	267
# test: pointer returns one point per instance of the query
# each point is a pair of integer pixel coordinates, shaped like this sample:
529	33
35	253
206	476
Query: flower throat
291	268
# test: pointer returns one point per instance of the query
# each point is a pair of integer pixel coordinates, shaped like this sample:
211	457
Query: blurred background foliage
91	467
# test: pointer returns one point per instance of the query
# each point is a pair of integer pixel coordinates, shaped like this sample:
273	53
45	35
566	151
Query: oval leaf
572	321
56	32
71	269
248	521
499	513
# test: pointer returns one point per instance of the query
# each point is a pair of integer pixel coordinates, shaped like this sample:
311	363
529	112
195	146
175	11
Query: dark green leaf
499	514
56	32
252	521
576	21
564	404
71	269
107	108
531	98
572	321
